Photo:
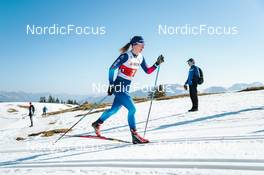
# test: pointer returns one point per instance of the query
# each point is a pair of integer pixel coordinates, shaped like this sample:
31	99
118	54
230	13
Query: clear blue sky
72	63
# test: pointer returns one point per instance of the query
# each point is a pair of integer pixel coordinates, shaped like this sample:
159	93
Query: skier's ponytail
125	48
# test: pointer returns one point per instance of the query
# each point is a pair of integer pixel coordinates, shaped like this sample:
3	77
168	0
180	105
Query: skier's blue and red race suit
127	65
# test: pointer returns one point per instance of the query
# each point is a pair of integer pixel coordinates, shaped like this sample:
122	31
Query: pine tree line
51	99
158	92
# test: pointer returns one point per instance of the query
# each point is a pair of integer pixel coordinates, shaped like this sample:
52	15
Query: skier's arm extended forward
149	70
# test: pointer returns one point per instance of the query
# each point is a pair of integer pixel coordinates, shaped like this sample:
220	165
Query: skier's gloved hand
110	90
185	87
160	60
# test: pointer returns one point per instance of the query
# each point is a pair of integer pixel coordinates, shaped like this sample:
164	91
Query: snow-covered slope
226	136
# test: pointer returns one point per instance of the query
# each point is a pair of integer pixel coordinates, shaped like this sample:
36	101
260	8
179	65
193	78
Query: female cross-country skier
127	64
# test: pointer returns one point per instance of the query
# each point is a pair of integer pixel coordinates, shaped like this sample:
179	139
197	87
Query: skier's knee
132	110
113	110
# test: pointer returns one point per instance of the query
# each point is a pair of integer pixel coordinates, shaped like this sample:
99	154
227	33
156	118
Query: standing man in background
31	109
44	110
195	77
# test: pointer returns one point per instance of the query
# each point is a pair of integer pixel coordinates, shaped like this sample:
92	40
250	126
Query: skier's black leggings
31	120
193	95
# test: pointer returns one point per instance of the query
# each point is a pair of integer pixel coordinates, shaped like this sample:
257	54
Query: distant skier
44	111
195	77
31	109
127	64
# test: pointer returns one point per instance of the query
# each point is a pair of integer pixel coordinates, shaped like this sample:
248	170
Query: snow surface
226	136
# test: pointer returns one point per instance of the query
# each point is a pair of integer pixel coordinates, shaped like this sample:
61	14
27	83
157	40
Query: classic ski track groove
176	140
238	164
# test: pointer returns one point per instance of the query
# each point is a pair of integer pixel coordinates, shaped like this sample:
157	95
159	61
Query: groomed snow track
228	164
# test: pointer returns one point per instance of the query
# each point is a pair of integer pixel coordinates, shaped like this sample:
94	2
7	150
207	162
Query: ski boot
136	138
193	110
96	125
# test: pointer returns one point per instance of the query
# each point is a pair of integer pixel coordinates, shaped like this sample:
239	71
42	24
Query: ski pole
152	96
96	104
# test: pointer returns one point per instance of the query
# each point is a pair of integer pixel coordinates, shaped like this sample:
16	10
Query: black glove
110	90
160	60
